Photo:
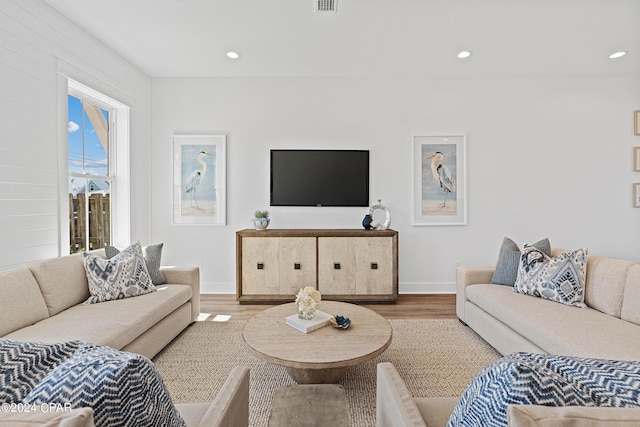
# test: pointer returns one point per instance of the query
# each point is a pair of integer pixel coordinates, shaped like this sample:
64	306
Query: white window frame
119	169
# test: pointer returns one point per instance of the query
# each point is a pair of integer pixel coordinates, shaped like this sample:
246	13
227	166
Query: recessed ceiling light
617	55
233	55
464	54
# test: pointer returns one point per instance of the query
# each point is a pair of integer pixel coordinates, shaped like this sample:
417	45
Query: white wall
546	156
37	44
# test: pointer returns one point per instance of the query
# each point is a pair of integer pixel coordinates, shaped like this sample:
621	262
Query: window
90	172
95	205
94	168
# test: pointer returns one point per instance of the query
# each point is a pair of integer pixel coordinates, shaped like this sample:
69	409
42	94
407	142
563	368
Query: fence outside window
96	234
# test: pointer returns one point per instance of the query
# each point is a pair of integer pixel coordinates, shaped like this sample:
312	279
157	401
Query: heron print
439	179
198	179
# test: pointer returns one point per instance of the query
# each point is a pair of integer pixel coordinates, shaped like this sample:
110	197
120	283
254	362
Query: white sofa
230	408
43	302
608	329
396	407
511	322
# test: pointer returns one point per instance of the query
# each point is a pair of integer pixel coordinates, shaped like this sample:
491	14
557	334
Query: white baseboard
427	288
221	288
218	288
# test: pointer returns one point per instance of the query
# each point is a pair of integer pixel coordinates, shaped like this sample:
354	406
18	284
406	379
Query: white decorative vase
261	223
378	225
306	314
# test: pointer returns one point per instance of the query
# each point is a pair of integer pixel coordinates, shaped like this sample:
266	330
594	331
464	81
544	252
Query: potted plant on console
261	220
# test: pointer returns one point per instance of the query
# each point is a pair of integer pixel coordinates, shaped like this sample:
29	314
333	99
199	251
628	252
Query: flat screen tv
319	178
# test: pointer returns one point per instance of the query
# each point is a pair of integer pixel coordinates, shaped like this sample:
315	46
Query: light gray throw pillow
509	258
152	259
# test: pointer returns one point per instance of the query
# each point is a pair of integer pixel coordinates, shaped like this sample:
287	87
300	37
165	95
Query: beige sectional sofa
43	302
608	329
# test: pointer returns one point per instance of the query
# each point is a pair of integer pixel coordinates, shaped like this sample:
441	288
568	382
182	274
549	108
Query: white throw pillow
33	416
571	416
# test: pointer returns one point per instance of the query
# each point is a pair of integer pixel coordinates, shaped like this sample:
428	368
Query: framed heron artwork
199	179
439	180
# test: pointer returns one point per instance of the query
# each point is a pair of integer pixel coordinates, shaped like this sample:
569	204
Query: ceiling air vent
326	5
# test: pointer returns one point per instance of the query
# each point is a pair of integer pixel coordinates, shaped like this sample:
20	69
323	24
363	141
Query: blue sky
95	160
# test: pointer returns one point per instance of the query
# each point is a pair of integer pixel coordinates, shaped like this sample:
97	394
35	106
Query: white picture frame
435	200
199	180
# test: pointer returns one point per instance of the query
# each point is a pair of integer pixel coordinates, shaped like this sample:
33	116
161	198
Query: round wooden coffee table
321	356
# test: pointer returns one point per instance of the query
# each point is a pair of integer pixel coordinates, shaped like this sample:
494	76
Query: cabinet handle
296	266
336	266
260	266
374	265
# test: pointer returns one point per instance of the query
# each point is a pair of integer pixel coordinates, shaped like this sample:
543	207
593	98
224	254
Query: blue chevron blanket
527	378
124	389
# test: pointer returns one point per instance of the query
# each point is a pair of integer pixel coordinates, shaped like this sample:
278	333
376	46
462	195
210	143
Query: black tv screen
319	178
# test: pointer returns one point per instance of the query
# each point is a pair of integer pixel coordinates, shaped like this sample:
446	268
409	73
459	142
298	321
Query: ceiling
190	38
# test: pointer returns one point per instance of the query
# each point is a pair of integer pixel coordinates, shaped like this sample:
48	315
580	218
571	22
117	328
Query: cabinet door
336	265
297	264
374	269
260	267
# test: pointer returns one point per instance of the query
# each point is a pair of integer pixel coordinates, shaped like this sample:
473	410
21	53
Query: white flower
306	303
308	297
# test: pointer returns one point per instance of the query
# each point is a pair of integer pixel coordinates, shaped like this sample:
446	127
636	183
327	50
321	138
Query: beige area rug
435	358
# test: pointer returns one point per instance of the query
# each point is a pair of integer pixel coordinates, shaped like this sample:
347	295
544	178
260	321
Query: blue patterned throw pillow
123	389
23	364
123	276
549	380
560	278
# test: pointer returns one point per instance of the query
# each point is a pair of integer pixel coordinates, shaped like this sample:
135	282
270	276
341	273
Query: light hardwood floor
431	306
